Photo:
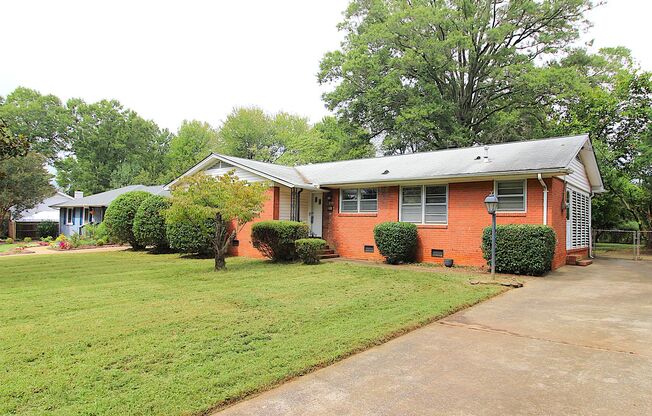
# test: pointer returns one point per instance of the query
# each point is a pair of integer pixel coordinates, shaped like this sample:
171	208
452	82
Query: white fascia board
547	173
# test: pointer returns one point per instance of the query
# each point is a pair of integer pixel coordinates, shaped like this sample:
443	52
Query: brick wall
461	238
270	212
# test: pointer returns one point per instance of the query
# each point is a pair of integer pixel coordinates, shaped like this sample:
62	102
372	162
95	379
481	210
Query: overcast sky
171	61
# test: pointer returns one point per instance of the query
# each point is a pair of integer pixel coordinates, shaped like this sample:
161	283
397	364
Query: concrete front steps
575	260
328	253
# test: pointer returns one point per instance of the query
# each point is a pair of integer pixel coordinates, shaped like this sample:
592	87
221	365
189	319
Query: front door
315	214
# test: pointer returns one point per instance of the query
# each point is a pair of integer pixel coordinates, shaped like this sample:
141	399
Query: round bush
119	217
47	229
275	239
397	241
308	249
189	236
521	248
149	223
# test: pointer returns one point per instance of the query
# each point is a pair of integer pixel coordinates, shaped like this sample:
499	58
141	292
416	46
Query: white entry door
315	214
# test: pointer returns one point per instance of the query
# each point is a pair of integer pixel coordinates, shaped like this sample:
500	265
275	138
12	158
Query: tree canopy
290	139
24	183
610	98
112	146
10	145
42	119
427	75
193	142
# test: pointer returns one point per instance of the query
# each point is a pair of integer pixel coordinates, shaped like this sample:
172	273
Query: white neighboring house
26	223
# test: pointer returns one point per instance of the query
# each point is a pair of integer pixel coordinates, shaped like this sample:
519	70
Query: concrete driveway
578	342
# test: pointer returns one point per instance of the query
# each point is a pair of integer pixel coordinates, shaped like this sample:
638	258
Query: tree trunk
221	242
220	261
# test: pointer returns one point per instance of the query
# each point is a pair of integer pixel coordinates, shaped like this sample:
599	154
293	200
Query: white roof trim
213	157
590	162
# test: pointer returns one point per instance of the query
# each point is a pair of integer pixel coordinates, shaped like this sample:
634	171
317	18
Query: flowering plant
64	245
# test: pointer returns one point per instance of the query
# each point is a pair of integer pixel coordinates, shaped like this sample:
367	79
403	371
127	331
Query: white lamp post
492	204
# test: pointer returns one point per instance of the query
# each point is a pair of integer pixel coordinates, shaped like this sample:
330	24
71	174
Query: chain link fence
622	244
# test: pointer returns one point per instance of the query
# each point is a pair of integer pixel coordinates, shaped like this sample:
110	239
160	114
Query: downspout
299	204
545	199
591	256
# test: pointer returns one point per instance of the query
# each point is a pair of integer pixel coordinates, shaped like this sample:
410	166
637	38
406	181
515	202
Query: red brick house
547	181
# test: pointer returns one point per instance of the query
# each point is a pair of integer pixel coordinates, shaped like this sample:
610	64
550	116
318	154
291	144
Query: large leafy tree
248	133
611	99
193	142
329	140
227	200
41	119
290	139
112	146
24	183
10	145
424	74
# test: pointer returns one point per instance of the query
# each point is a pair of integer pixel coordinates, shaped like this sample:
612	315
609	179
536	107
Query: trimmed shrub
189	236
149	223
47	229
75	240
308	249
27	240
119	217
9	240
275	239
397	241
95	231
521	248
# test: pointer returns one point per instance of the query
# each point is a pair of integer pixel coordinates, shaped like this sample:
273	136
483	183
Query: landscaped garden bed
136	333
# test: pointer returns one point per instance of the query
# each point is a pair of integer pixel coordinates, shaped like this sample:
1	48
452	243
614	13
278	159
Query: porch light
492	204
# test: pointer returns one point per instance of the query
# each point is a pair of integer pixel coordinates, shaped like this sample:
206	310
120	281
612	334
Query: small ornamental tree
119	217
149	223
231	202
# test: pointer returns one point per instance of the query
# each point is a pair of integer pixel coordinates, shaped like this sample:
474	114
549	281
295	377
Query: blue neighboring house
82	210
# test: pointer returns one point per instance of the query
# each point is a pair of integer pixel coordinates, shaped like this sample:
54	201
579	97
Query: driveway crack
484	328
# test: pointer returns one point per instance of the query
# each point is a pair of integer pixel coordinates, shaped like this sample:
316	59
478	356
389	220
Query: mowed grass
135	333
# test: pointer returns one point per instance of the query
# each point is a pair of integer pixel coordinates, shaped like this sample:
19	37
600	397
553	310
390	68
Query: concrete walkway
578	342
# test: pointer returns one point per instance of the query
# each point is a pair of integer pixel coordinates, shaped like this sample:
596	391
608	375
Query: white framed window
359	200
512	195
88	216
424	204
69	212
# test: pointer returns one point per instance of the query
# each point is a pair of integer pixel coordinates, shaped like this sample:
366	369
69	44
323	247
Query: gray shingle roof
529	156
547	156
103	199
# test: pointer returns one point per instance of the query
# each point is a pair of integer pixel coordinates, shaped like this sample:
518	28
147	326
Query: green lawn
614	246
135	333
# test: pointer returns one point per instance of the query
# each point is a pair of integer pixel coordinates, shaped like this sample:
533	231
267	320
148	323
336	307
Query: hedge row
521	248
